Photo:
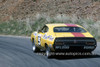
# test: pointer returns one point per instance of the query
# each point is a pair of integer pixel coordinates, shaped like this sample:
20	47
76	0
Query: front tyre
35	48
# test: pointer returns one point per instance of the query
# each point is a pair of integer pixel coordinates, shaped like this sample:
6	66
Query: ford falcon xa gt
62	37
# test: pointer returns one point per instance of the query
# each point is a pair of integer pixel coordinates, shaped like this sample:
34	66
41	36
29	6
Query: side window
44	29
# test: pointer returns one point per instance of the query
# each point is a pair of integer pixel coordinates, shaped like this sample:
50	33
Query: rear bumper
77	48
75	44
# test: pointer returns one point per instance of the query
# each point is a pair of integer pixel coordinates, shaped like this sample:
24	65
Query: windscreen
69	29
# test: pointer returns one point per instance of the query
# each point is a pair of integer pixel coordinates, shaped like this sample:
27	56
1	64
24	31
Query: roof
69	25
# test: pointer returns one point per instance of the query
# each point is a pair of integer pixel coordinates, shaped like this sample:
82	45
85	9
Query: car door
41	36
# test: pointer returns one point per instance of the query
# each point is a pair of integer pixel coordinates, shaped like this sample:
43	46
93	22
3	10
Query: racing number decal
39	39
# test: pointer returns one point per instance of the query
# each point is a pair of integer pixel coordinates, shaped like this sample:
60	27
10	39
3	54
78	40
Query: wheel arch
46	45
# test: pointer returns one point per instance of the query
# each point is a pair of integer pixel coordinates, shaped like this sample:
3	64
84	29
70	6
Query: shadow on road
74	57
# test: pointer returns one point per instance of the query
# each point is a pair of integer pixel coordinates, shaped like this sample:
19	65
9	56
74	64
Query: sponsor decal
51	38
35	34
71	25
45	37
48	37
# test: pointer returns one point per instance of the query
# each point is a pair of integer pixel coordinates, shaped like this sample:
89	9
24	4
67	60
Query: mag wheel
48	52
35	48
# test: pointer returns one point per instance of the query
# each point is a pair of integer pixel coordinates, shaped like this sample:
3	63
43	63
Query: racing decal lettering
71	25
51	38
78	34
45	37
48	37
35	34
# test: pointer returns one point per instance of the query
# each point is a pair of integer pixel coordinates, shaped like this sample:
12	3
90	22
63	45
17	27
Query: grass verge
26	28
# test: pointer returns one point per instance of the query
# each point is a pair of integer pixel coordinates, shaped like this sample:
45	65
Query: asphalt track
17	52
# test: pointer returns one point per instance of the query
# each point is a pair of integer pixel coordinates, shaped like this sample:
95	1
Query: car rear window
69	29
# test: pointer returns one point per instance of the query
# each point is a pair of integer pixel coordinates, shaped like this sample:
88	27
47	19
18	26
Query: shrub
27	27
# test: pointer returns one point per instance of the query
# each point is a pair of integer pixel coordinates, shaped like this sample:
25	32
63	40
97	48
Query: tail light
90	43
59	43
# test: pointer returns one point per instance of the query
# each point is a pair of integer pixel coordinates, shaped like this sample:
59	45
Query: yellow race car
62	37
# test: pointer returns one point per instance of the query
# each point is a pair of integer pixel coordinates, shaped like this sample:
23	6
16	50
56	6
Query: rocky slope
22	9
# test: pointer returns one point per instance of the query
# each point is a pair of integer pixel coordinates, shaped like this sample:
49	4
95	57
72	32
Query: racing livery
62	37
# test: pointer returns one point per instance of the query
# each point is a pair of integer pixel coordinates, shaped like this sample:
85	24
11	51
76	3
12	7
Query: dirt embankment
22	9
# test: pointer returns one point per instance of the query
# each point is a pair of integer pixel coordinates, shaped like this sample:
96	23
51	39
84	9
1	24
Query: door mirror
42	31
39	31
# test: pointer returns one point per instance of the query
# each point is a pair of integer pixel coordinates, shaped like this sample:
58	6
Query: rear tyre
35	48
48	52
